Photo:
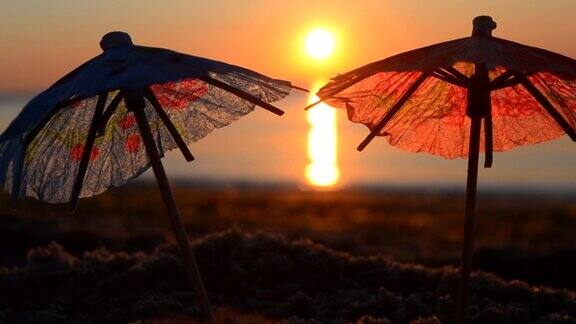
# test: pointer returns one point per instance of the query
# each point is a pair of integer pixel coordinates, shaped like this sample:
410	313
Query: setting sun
322	170
319	43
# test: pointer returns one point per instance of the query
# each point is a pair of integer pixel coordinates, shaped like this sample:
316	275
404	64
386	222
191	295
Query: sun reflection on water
322	170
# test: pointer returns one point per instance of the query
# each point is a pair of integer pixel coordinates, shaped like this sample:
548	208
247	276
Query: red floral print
78	104
78	150
127	122
453	110
513	102
133	143
177	95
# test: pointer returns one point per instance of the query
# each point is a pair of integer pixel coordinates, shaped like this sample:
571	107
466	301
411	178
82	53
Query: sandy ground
284	254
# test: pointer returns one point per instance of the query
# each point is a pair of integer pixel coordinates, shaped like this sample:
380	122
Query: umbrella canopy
460	98
116	115
41	150
433	119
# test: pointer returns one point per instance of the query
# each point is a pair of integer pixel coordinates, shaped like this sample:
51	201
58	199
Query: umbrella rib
31	136
504	84
348	83
504	80
548	106
299	88
108	113
503	77
243	95
342	87
321	101
457	74
42	123
393	111
316	103
88	145
447	77
148	94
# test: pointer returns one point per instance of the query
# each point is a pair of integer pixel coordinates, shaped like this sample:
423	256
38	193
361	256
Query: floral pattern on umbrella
198	95
194	112
434	119
177	95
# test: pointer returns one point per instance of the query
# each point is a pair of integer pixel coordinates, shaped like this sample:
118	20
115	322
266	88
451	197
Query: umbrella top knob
483	26
115	39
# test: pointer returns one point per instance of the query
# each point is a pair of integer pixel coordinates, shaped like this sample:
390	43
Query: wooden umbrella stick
468	240
548	106
148	94
393	111
479	105
88	145
137	106
243	95
488	140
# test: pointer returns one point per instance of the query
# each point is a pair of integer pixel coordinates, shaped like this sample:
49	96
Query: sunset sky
42	40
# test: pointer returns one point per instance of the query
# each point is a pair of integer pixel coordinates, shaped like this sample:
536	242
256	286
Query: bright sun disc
319	43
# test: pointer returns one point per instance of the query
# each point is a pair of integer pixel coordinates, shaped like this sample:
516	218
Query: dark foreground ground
111	263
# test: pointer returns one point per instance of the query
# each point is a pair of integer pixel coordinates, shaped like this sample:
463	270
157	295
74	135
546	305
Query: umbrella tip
115	39
483	26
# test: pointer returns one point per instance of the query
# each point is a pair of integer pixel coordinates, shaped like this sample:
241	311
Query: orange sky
41	40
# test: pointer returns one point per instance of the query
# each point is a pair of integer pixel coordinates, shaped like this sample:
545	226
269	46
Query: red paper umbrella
113	117
459	98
